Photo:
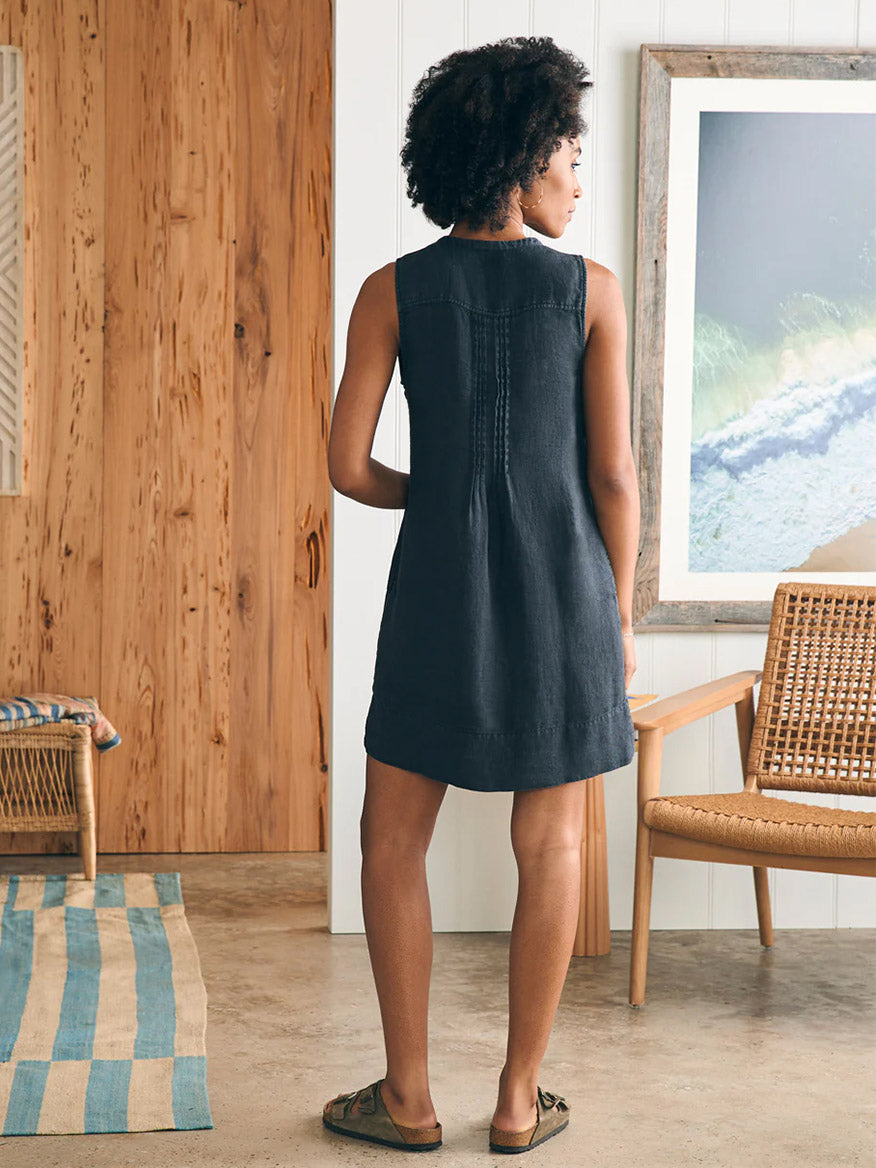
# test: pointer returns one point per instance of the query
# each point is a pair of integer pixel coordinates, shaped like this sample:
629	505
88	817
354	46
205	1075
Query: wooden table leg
593	938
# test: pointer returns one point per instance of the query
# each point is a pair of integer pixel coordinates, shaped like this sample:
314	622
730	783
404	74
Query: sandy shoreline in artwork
853	551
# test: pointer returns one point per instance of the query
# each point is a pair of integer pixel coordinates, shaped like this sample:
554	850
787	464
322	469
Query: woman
505	646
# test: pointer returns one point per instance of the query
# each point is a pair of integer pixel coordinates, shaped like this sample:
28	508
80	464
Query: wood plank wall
170	553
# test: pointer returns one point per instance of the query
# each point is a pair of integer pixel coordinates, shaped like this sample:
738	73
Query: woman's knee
541	844
390	839
546	827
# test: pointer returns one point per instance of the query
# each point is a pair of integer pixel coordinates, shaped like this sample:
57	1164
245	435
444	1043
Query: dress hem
500	762
402	710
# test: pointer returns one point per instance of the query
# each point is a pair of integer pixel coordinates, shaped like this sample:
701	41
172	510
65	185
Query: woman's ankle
411	1105
517	1080
415	1096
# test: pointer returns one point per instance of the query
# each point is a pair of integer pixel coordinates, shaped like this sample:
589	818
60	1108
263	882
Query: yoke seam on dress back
569	307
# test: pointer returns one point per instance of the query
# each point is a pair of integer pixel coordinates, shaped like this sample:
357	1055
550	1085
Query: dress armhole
583	300
398	310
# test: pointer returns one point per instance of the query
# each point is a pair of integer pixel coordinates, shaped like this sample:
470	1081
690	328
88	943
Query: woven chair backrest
815	723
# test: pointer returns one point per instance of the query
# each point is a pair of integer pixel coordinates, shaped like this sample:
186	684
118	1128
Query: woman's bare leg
398	818
546	826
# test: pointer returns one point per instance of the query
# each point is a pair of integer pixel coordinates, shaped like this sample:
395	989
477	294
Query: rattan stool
46	783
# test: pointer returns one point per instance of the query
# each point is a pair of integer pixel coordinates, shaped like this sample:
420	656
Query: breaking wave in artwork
783	456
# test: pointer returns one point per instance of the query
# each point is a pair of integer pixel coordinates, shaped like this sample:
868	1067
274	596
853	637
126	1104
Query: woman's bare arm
611	471
372	348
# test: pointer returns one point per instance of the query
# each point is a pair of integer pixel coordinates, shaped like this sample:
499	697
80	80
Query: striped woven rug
102	1006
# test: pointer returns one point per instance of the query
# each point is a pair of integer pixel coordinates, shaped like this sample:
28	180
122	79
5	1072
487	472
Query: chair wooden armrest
660	718
670	713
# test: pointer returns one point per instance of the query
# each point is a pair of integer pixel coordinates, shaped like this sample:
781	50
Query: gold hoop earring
526	206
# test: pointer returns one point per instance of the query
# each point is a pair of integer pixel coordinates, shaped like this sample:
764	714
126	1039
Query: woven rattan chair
814	730
46	783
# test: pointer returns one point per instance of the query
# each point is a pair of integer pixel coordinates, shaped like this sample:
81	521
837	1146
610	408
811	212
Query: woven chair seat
762	823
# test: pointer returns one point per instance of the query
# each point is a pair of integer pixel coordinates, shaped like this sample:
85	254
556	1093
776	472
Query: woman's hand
630	666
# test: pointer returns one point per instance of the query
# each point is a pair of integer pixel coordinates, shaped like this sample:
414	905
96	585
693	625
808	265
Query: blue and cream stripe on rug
103	1009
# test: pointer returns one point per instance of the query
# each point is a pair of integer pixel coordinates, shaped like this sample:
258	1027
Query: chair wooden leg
650	751
762	895
84	789
641	915
88	851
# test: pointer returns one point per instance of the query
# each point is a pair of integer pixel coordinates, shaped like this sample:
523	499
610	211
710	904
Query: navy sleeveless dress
499	663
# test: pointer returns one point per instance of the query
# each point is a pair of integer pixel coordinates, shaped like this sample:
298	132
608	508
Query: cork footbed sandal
552	1117
362	1114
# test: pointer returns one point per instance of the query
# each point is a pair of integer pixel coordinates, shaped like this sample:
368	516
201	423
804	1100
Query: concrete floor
739	1056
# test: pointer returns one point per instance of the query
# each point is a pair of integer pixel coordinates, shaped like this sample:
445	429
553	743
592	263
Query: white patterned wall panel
11	266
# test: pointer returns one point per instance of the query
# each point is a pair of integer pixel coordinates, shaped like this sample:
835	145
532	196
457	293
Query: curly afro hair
484	120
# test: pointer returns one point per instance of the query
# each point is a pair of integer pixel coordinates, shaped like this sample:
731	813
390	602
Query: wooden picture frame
746	604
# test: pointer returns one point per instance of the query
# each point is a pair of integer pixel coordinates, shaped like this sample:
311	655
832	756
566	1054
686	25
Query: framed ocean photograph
754	364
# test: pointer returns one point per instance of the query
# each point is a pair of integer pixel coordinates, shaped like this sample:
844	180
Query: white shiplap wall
381	49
